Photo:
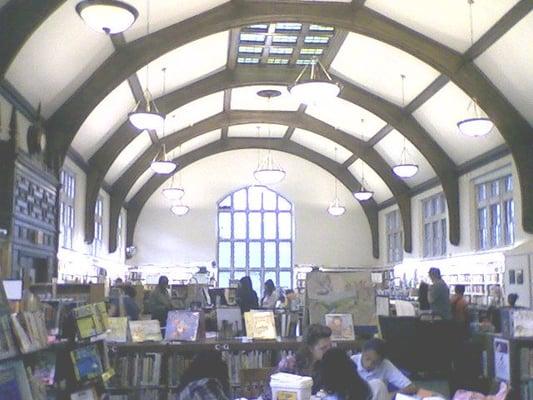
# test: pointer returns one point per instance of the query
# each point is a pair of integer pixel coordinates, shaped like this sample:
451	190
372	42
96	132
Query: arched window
255	232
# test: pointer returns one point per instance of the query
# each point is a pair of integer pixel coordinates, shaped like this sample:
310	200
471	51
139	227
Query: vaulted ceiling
218	54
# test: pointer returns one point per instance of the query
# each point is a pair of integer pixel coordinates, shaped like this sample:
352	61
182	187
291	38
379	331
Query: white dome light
160	164
405	170
145	119
475	127
316	88
180	209
173	193
363	194
336	209
107	16
267	172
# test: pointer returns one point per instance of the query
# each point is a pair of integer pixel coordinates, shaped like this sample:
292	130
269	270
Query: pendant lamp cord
403	157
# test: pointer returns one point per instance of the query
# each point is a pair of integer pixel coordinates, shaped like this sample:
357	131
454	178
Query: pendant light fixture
161	164
174	192
180	209
336	209
476	124
146	116
267	171
404	169
363	194
314	85
107	16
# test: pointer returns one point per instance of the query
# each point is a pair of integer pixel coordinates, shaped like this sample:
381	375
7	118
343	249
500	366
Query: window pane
444	237
254	221
271	275
285	280
285	225
509	221
223	279
239	255
239	200
283	204
254	249
495	188
239	227
285	255
225	203
427	240
481	192
239	274
255	276
224	225
270	254
269	200
269	225
495	228
482	227
508	183
436	234
254	197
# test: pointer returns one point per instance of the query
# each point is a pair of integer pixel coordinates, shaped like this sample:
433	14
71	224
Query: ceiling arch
137	203
122	186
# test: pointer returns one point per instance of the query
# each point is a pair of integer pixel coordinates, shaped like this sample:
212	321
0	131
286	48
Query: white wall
162	238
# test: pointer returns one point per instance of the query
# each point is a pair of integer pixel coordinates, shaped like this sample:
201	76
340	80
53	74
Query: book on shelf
526	363
118	330
85	394
91	320
8	347
137	370
229	321
517	322
260	324
44	369
182	325
341	326
145	331
30	330
14	383
87	362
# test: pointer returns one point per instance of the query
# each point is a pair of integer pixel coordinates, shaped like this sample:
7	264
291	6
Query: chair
253	381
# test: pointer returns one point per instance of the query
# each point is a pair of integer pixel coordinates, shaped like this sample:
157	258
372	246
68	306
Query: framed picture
512	277
502	368
519	276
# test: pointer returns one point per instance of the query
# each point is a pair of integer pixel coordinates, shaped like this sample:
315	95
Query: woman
316	342
270	297
205	379
338	377
372	364
246	295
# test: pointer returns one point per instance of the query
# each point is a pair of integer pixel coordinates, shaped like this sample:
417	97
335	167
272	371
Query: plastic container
290	387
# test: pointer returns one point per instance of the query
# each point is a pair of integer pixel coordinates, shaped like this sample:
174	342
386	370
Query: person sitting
338	377
459	304
125	305
205	379
270	296
372	364
317	341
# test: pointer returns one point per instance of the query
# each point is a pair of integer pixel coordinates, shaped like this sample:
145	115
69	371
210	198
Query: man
439	295
372	364
159	303
459	304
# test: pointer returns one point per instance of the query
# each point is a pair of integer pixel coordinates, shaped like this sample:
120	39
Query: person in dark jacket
246	295
159	303
423	301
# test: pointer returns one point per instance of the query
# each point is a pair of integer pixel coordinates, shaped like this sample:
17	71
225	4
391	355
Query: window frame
67	208
495	196
394	237
98	226
434	214
264	272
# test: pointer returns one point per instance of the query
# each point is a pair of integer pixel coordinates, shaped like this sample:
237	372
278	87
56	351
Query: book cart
153	370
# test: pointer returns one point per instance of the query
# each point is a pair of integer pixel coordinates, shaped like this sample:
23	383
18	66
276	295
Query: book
260	324
8	347
45	367
229	321
14	384
341	326
182	325
30	331
91	320
144	331
87	362
85	394
118	330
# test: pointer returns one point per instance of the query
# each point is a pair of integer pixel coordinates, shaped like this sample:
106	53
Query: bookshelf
79	292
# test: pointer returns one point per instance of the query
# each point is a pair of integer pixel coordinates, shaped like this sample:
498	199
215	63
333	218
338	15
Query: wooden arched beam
132	56
18	20
137	203
398	188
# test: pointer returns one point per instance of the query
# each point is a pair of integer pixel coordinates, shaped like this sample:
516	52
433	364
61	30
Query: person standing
439	295
270	296
246	295
423	296
459	304
159	303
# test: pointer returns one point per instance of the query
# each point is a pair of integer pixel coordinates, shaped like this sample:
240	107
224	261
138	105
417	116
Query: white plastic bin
290	387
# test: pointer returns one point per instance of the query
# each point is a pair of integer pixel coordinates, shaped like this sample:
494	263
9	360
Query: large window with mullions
255	235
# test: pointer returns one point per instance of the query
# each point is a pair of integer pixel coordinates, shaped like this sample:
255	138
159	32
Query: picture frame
519	276
512	277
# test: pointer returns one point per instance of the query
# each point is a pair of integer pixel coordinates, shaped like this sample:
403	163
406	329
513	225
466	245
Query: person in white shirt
270	295
372	364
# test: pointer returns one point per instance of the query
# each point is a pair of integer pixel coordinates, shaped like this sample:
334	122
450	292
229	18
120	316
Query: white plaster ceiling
348	117
193	112
57	58
128	156
439	116
377	67
250	130
446	21
372	179
246	98
390	148
108	115
196	143
164	13
321	145
139	183
186	64
508	64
